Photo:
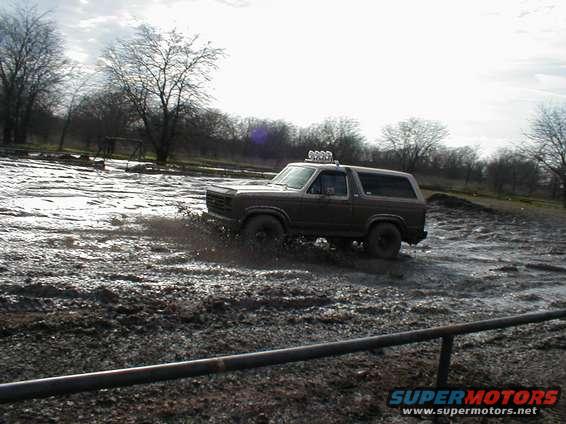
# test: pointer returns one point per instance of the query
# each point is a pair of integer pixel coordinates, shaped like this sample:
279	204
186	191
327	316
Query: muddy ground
100	270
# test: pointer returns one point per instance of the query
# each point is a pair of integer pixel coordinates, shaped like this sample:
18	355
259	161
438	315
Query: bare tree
78	83
500	170
510	171
103	113
547	142
342	136
470	160
31	64
163	74
411	141
460	162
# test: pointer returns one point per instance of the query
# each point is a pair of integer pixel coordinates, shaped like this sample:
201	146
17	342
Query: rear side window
386	185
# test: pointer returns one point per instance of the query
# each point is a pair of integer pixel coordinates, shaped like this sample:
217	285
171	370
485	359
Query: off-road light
319	156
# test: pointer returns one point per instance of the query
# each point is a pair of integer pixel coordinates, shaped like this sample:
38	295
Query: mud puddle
99	270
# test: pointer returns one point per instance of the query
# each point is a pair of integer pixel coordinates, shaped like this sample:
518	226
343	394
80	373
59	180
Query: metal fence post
443	368
444	361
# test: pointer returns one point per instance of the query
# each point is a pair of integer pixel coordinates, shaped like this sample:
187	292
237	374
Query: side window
328	182
386	185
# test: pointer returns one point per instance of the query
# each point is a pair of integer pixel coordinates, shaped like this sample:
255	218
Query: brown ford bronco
320	198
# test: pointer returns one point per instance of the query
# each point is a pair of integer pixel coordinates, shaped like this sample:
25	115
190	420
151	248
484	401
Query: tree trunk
7	133
162	150
64	131
162	155
533	182
20	135
7	124
564	193
553	188
23	123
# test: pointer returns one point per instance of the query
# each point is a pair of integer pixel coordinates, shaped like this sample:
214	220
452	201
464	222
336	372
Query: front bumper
232	223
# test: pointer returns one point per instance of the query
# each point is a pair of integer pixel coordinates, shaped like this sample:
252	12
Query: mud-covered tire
383	241
263	231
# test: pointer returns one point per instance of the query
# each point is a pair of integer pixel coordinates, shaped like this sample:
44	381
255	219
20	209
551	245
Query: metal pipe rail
45	387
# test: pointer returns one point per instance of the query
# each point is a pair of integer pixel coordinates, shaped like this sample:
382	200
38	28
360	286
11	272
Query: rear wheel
263	231
384	241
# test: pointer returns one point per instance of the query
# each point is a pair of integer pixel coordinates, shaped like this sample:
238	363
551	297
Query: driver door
326	204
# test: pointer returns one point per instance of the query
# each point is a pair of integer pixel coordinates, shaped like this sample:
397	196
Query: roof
333	166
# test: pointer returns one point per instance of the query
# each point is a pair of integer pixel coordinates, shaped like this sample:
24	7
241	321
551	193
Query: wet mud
108	269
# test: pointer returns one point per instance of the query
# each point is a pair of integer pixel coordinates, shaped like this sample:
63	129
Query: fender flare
279	213
394	219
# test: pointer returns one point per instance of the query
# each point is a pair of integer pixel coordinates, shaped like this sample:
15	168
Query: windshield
293	176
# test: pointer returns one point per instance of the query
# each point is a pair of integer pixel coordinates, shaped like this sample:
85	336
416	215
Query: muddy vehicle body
319	198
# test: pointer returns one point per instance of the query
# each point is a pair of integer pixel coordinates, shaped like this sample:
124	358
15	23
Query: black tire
384	241
263	231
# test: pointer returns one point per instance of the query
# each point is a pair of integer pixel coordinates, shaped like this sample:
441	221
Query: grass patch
481	193
197	164
534	208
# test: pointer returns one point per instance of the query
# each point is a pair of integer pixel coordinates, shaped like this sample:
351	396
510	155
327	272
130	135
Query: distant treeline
273	143
152	87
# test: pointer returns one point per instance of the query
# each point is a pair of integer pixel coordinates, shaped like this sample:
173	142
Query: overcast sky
480	67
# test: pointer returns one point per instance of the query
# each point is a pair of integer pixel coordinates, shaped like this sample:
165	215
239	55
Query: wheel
263	230
340	243
383	241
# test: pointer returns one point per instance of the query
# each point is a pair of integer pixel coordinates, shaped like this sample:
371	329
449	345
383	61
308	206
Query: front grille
218	203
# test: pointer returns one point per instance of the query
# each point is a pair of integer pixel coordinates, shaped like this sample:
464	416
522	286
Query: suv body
338	202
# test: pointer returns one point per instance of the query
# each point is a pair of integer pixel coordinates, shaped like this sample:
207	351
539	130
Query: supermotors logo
482	401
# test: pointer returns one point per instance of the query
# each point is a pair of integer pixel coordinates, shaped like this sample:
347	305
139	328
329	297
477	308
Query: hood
249	188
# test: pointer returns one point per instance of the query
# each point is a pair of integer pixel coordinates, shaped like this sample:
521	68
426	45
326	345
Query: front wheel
263	231
384	241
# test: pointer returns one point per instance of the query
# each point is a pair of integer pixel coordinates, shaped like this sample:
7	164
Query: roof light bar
319	156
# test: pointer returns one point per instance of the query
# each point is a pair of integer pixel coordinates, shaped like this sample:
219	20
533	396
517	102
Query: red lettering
506	396
551	397
521	397
491	397
537	397
474	397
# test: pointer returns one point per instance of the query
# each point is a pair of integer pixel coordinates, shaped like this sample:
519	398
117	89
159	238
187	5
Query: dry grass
531	209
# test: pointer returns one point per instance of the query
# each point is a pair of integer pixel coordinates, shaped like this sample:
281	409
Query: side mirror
330	191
